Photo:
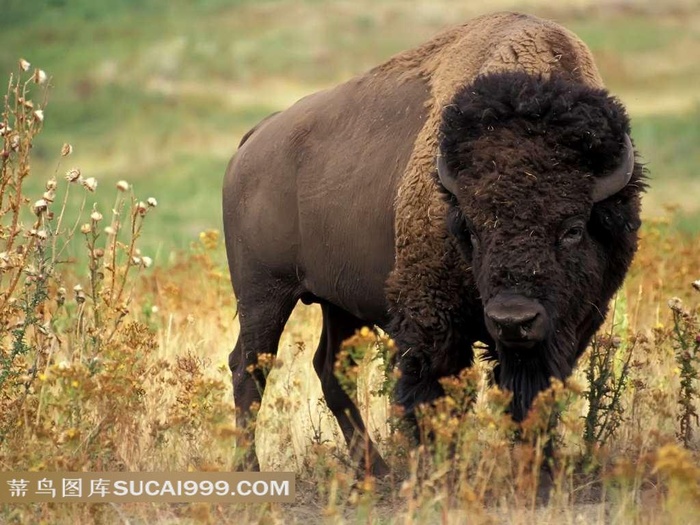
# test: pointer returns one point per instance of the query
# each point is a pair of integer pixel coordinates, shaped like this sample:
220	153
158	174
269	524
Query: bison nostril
516	329
526	326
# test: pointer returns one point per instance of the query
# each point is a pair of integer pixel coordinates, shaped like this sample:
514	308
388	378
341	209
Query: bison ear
610	184
447	179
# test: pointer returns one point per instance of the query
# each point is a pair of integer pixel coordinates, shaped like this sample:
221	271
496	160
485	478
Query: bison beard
524	379
526	376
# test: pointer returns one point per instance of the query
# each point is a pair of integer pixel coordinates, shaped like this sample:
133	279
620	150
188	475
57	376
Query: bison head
543	204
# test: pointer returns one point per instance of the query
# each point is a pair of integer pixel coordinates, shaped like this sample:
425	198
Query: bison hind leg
338	325
262	319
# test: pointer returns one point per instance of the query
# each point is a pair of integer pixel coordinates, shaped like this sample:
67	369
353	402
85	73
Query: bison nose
515	320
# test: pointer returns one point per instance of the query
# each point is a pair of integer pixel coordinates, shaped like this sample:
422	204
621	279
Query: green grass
636	34
688	222
159	92
32	13
672	142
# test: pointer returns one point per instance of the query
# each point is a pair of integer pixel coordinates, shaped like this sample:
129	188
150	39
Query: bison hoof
379	468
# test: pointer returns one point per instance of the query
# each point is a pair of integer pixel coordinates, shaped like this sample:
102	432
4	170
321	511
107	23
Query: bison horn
446	178
618	179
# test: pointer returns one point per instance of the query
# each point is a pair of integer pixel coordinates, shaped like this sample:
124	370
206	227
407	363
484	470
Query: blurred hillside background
159	92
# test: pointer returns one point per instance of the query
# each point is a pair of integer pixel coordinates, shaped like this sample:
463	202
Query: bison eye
572	234
469	233
473	239
461	228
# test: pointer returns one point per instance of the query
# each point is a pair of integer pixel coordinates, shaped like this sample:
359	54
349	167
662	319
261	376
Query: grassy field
134	375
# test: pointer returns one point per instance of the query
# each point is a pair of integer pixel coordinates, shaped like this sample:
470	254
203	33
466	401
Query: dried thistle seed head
99	253
80	297
39	115
24	64
14	143
49	195
40	234
51	184
66	150
40	206
96	216
676	305
122	185
696	285
86	228
136	261
61	291
39	76
73	174
142	208
146	261
90	184
109	230
152	202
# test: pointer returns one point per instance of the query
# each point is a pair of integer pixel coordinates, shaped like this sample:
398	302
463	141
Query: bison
480	187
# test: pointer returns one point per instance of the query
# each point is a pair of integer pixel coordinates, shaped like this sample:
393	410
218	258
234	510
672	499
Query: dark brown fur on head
525	153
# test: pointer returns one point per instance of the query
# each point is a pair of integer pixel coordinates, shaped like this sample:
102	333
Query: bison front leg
425	355
415	387
434	318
